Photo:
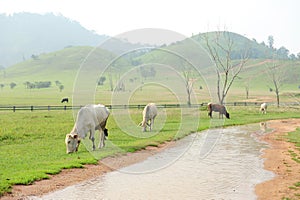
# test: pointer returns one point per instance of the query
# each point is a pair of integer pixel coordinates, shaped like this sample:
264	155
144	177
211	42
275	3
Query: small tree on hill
12	85
61	88
276	76
101	80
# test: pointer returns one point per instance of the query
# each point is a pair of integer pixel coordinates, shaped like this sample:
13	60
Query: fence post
48	108
14	108
65	107
31	108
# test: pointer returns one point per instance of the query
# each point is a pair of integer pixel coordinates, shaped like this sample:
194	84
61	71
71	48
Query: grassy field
32	143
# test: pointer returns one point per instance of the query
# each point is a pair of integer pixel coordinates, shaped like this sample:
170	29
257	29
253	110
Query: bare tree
189	82
247	86
276	76
220	47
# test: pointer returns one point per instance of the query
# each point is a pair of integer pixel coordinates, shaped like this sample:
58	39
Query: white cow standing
263	108
89	118
149	114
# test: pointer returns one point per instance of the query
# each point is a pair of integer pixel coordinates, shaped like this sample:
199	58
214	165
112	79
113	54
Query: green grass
32	143
295	138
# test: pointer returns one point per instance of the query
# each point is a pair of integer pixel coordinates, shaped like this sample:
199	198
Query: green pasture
32	143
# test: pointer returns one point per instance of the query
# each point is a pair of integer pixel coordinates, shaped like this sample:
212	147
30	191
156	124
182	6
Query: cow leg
210	114
92	137
102	138
220	115
151	124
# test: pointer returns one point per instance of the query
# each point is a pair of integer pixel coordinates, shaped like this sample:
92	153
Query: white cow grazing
149	114
263	108
89	119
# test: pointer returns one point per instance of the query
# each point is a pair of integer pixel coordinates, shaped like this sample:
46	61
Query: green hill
135	69
240	44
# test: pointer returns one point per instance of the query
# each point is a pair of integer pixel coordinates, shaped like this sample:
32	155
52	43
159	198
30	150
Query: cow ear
69	136
75	136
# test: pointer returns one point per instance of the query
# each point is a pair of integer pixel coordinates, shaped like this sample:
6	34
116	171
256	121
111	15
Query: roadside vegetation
294	137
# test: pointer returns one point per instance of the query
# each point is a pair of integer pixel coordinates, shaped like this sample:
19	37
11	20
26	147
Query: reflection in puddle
263	126
229	171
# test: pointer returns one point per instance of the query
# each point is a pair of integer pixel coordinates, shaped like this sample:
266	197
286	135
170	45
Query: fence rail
139	106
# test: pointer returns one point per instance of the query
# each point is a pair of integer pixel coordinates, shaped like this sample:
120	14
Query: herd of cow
94	117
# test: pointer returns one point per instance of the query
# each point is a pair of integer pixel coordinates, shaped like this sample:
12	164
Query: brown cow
217	108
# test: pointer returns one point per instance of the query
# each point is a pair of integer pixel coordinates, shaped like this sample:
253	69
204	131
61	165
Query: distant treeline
38	85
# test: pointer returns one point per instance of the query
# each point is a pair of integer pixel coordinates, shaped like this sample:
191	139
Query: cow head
227	115
143	124
72	142
105	133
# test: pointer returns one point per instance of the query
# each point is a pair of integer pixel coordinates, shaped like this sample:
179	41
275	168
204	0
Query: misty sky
252	18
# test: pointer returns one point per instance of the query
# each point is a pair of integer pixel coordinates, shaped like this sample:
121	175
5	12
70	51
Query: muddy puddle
214	164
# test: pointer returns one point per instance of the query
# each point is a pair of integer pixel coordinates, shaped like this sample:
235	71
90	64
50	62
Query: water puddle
230	170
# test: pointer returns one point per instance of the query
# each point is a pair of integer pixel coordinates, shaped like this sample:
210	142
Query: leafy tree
34	57
298	56
61	87
283	53
57	83
271	41
147	72
101	80
12	85
27	84
292	57
42	84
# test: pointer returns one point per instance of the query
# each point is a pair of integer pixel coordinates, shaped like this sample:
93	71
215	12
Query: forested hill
240	44
26	34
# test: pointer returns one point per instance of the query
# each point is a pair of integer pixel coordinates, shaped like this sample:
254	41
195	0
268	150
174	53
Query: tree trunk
277	98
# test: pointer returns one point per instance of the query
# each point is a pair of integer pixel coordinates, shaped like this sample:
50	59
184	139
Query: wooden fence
139	106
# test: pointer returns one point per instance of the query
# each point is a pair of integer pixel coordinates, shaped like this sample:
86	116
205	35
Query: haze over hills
26	34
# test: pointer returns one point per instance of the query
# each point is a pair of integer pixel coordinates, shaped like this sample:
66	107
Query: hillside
240	46
25	34
163	66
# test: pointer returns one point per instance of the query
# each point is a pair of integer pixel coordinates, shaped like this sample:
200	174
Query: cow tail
209	107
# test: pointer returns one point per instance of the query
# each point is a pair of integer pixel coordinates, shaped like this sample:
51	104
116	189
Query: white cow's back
89	117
